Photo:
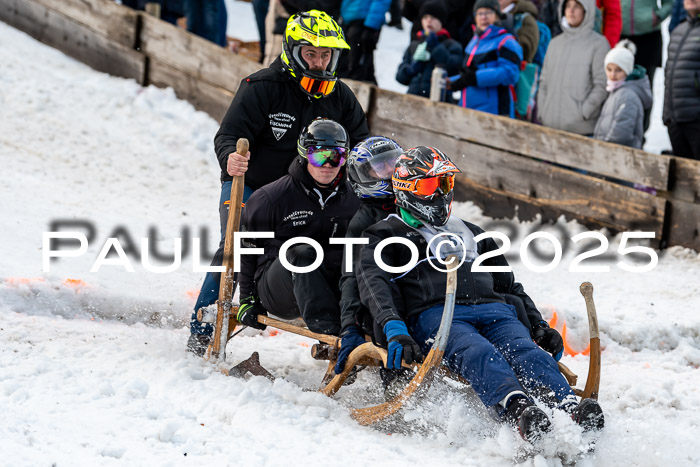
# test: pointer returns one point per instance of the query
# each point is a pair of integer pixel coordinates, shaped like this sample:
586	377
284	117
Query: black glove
369	39
467	77
400	344
549	339
432	40
248	312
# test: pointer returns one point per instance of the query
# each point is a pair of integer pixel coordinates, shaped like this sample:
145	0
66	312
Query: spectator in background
362	23
572	83
622	119
682	96
432	47
260	8
641	23
520	20
207	19
458	22
170	10
493	64
678	14
607	14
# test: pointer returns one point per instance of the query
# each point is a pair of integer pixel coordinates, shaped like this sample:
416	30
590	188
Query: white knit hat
622	55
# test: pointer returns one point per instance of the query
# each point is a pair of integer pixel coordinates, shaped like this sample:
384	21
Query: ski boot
589	415
529	419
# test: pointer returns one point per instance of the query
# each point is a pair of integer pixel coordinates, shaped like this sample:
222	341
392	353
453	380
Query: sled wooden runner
217	349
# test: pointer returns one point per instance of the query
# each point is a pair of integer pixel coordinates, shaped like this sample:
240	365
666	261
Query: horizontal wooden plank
74	39
685	179
106	17
684	224
193	55
524	138
205	97
530	181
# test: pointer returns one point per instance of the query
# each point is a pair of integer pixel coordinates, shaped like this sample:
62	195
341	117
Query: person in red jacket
612	20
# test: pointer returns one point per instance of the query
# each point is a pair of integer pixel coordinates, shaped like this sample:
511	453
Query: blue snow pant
491	349
209	292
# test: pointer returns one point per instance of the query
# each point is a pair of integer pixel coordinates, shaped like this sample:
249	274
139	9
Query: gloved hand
369	39
401	344
350	339
248	312
549	339
416	68
421	54
467	77
432	40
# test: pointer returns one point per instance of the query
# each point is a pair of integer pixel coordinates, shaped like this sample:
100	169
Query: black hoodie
294	206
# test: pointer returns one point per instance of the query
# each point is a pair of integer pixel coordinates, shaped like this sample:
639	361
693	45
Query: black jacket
424	287
270	109
294	206
682	75
446	54
351	310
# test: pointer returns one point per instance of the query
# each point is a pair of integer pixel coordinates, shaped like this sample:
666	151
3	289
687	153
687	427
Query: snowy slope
95	372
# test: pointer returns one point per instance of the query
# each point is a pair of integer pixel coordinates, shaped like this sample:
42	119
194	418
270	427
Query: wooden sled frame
370	354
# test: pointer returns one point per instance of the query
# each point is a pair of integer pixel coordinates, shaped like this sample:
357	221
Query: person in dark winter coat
370	166
487	343
269	109
432	47
621	120
315	201
493	64
362	22
682	94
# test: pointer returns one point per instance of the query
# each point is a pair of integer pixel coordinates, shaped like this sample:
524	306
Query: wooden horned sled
366	354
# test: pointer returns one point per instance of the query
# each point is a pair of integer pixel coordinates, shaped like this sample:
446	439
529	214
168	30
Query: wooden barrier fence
508	166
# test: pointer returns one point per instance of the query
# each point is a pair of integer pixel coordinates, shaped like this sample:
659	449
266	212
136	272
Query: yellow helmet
315	28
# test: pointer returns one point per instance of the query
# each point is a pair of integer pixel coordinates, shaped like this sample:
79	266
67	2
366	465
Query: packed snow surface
93	368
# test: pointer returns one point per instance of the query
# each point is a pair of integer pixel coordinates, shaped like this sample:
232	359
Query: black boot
529	419
589	415
198	343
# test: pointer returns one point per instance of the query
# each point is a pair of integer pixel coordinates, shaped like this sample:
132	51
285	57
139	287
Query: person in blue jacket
492	68
431	47
362	21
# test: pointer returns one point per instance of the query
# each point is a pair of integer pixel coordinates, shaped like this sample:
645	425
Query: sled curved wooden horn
593	380
424	376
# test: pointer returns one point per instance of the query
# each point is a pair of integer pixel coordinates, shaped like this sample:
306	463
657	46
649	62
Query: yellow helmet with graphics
317	29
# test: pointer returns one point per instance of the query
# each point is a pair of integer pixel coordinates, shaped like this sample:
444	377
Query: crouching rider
488	345
314	200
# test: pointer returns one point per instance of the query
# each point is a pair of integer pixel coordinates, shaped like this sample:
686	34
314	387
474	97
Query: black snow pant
315	295
649	55
685	139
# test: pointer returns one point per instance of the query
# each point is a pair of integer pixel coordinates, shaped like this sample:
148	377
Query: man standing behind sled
487	344
269	109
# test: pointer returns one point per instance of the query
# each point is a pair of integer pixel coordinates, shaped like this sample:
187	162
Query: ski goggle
426	187
319	155
317	86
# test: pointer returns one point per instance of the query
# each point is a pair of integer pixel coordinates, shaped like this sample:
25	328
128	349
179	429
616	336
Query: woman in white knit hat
621	120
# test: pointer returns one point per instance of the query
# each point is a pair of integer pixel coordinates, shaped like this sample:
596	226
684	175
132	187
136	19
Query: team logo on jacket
280	123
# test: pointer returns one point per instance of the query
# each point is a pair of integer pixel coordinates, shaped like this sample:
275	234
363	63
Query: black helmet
371	165
423	183
324	140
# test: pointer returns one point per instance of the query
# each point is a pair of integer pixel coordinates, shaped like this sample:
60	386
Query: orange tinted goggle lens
317	86
428	186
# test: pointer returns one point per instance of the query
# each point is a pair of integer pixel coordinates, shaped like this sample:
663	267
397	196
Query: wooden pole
217	350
